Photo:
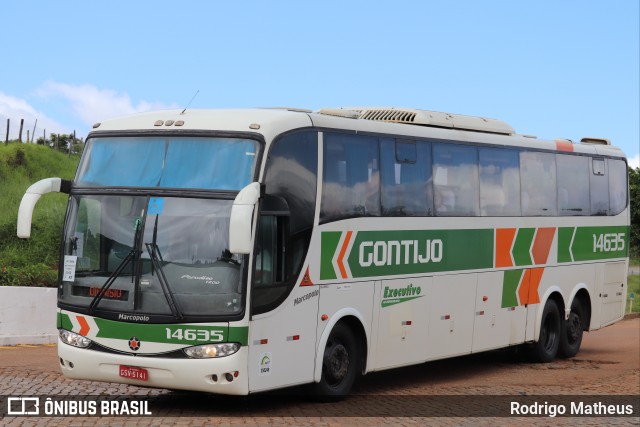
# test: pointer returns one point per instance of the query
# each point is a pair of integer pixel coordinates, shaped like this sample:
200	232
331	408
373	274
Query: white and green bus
238	251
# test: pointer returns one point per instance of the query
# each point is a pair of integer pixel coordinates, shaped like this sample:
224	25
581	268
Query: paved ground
608	364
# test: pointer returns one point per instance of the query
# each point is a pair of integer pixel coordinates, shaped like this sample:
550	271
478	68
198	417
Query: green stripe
64	321
595	243
386	253
522	246
394	301
191	334
565	234
329	243
510	288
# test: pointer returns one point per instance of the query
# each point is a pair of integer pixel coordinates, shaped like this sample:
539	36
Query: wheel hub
338	365
575	328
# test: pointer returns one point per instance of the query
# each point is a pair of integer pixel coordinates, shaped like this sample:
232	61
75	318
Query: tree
63	142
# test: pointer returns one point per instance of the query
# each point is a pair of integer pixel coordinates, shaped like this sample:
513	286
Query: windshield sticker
69	272
156	205
207	279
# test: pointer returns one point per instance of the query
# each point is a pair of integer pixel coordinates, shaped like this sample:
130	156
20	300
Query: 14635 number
608	242
203	335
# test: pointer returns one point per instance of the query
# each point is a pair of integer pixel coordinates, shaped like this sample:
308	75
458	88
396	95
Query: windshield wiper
153	250
133	254
96	300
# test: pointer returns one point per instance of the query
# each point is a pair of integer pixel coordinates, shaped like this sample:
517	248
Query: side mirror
241	219
31	197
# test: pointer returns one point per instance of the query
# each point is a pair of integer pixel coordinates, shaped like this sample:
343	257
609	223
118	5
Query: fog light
228	377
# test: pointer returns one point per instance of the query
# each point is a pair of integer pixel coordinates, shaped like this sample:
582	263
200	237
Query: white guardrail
28	315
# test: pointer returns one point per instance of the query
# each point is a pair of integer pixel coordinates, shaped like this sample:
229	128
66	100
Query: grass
31	262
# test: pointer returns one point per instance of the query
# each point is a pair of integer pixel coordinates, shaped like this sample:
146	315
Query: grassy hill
31	262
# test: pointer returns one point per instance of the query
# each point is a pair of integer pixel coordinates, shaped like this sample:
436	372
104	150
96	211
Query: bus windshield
168	162
163	256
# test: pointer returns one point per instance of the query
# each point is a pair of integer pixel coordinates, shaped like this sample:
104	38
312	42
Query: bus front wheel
546	349
572	330
339	364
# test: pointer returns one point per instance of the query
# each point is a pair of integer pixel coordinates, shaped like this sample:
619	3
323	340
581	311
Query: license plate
134	372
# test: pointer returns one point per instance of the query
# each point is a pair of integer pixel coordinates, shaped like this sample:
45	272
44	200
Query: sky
554	69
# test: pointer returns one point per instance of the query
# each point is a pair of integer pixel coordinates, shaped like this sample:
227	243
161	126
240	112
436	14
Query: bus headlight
212	350
74	339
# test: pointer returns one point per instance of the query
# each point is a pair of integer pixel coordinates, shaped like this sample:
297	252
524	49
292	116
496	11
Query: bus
243	250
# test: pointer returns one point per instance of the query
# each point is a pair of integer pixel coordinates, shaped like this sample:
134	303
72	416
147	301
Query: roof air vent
597	141
434	119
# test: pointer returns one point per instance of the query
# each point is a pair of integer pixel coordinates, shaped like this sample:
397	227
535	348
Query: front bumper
207	375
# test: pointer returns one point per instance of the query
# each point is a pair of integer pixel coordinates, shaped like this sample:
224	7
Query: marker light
76	340
212	350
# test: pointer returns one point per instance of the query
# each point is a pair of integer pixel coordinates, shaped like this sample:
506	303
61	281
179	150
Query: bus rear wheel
572	330
546	349
339	364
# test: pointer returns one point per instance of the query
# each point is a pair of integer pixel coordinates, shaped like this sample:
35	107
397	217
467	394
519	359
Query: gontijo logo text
353	254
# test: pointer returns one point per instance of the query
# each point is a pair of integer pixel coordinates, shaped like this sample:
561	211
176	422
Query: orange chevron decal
542	245
534	283
504	242
528	290
523	290
343	251
84	326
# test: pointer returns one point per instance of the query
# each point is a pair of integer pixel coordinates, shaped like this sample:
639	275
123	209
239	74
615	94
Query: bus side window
617	186
599	187
499	182
573	185
455	180
286	218
270	244
406	178
351	177
538	180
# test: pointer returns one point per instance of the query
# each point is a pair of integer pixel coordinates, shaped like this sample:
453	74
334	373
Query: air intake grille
398	116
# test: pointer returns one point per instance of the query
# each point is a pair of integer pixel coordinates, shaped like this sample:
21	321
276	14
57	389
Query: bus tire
546	349
339	364
572	330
